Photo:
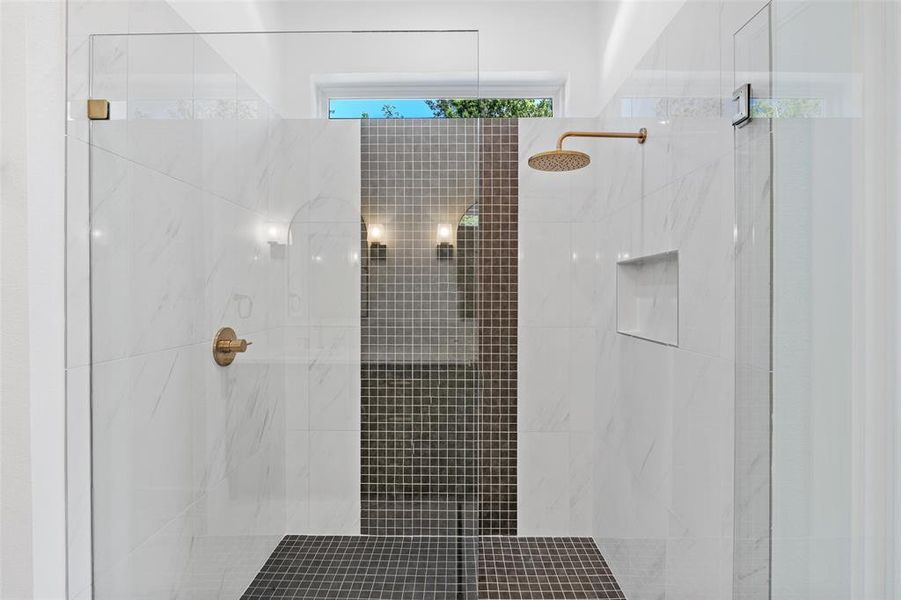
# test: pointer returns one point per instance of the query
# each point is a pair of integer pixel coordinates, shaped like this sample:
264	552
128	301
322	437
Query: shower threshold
435	568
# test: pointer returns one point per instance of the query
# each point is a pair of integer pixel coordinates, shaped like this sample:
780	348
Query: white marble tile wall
315	191
560	289
663	419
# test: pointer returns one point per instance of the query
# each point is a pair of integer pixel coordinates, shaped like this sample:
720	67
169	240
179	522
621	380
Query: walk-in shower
326	338
355	432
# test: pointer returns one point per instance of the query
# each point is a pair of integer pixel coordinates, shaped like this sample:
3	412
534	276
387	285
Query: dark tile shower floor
435	568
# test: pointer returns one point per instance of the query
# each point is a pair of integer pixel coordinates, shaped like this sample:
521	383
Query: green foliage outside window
458	108
440	108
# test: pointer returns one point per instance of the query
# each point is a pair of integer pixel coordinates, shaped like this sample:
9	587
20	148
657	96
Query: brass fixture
98	109
226	346
570	160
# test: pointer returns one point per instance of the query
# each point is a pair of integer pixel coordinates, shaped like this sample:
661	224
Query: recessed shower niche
647	297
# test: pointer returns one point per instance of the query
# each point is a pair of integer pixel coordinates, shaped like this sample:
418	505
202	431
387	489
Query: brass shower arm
570	160
641	136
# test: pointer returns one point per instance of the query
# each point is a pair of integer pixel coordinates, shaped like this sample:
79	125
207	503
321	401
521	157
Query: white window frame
363	86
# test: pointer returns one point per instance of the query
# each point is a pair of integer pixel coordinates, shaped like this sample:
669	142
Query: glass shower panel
822	177
223	196
753	294
797	174
188	457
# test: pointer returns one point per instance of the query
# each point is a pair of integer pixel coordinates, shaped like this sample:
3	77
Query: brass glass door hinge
98	109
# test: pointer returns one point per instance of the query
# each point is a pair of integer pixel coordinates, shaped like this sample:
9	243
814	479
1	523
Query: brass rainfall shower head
570	160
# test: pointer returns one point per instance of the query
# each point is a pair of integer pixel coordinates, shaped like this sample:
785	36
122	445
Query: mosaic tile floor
434	568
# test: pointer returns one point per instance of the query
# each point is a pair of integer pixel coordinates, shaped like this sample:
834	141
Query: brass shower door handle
226	345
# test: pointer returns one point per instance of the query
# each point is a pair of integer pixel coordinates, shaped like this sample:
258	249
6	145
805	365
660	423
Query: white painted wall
625	30
591	45
514	37
32	415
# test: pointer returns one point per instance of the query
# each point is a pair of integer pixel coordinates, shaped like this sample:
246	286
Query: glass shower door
222	195
188	456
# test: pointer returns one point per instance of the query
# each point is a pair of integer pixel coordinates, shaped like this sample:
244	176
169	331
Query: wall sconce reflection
377	248
445	249
276	235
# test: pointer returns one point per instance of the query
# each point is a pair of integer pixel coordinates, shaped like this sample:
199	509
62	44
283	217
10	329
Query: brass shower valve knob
233	345
226	345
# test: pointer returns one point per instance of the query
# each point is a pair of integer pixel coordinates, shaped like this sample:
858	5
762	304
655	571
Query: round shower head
559	160
570	160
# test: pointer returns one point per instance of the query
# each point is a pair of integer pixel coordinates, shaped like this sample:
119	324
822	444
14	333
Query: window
438	108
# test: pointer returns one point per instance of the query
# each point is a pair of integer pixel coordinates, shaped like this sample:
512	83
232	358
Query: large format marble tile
334	172
586	285
153	569
147	258
702	447
236	268
693	216
173	432
642	428
700	130
144	415
239	411
544	272
544	394
584	384
297	481
335	482
543	470
580	484
698	568
619	175
289	190
334	273
190	557
254	154
334	378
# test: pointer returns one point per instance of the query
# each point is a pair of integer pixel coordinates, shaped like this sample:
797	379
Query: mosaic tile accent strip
419	449
497	312
439	327
439	568
419	374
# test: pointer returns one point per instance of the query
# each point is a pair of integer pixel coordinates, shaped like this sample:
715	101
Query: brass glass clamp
226	346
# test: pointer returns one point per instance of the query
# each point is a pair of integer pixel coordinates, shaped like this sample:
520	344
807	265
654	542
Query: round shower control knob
226	346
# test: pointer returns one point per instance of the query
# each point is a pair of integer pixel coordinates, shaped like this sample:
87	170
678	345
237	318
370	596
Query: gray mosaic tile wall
496	308
438	457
